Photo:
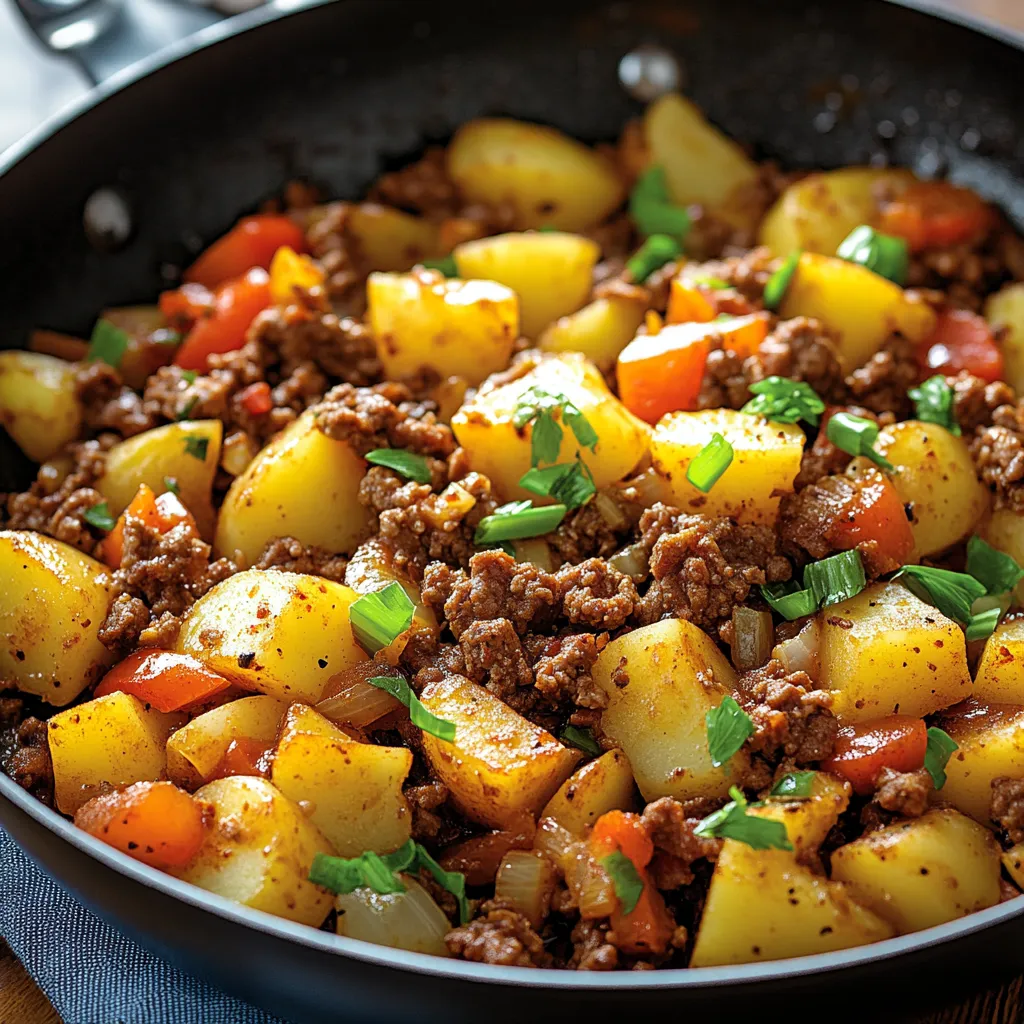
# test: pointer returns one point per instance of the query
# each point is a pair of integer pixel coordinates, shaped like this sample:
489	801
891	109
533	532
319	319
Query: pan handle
104	36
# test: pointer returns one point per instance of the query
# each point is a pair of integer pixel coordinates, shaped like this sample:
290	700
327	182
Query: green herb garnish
186	410
789	599
170	484
446	264
408	464
733	822
542	409
937	754
785	401
856	435
708	465
933	403
651	256
836	578
518	520
381	617
197	446
571	484
629	886
652	210
728	727
108	344
952	593
996	570
793	786
582	739
778	284
418	714
100	517
886	255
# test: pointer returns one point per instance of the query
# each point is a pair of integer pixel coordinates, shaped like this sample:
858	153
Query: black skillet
336	93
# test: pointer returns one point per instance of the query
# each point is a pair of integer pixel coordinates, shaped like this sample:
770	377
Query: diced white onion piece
631	561
803	652
536	551
526	880
354	701
610	511
404	920
556	842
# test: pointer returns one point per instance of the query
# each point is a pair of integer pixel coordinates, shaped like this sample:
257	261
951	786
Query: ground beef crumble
905	794
24	749
291	555
498	935
882	383
1008	807
676	846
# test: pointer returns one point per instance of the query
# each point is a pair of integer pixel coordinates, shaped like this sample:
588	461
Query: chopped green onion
714	283
789	600
518	520
381	617
728	727
952	593
582	739
418	714
886	255
571	484
186	409
733	822
100	517
856	435
171	485
189	376
629	886
836	578
166	336
453	882
778	284
108	344
446	265
981	625
197	446
937	754
540	408
933	403
785	401
793	786
707	466
408	464
651	256
652	210
992	567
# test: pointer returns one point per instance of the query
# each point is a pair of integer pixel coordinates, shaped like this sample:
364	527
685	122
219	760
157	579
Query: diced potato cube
1005	310
766	460
1004	530
354	789
934	472
259	851
809	821
284	491
110	741
485	427
279	633
389	239
924	871
862	307
1000	675
886	652
550	271
600	330
604	784
38	406
422	321
549	179
53	600
500	765
675	674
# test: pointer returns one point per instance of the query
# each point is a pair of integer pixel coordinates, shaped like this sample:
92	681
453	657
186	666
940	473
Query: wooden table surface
21	1002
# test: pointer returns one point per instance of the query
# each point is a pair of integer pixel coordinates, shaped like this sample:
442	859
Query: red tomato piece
898	742
935	214
185	305
252	242
256	399
159	513
875	515
963	341
167	681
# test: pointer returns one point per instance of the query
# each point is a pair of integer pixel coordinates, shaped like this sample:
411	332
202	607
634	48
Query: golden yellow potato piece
600	330
549	179
259	851
53	600
551	271
604	784
924	871
863	308
389	239
110	741
500	766
278	633
1000	675
186	452
676	675
1005	311
766	460
422	321
701	164
38	406
1004	530
485	427
991	741
354	789
195	750
816	213
934	470
809	821
285	490
886	652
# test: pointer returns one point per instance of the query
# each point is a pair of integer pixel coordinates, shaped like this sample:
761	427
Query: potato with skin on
924	871
1004	529
604	784
38	405
110	741
1004	312
500	765
935	472
702	165
887	652
53	600
259	850
766	460
551	271
661	681
600	330
861	307
816	213
279	633
990	738
195	750
354	789
390	239
486	428
186	452
546	177
1000	675
284	491
424	321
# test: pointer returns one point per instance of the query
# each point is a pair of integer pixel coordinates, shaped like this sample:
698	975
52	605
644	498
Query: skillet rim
385	956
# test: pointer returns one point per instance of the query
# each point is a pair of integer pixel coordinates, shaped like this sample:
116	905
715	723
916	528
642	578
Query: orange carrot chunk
163	679
159	513
861	752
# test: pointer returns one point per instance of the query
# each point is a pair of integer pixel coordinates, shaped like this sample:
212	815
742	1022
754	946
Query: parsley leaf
582	739
941	747
933	403
408	464
995	569
629	886
728	727
571	484
100	517
785	401
541	408
108	344
733	822
197	446
171	485
793	786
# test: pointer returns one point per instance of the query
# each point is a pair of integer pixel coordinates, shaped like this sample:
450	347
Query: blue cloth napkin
91	973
